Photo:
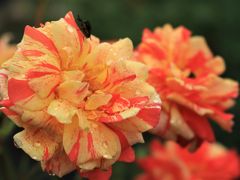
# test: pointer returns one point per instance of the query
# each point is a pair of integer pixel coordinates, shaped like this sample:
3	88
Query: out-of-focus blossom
186	75
6	50
81	103
172	162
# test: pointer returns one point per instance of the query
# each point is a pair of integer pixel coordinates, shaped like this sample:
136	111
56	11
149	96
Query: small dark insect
84	26
191	75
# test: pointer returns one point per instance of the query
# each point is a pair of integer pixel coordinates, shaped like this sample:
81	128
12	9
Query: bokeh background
217	20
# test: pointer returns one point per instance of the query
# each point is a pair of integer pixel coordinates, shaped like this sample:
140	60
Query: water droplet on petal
70	29
107	156
52	174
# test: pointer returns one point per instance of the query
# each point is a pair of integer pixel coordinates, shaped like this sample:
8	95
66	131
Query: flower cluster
210	161
185	73
82	103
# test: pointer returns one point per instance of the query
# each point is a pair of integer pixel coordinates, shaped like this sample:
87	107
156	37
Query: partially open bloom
80	102
172	162
186	75
6	50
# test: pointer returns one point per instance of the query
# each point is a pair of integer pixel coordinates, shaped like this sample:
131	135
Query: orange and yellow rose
185	73
82	103
172	162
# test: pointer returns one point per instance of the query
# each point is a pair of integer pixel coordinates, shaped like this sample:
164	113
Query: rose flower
185	73
172	162
81	103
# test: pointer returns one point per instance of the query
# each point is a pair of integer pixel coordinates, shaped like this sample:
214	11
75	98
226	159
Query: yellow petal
137	68
62	111
17	66
30	43
105	141
73	91
134	124
36	143
36	118
129	113
179	125
75	142
87	147
34	103
66	40
44	85
96	100
82	118
72	75
59	165
121	50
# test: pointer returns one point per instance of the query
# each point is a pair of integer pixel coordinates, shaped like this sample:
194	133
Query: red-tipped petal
18	90
150	114
199	124
40	37
127	155
69	18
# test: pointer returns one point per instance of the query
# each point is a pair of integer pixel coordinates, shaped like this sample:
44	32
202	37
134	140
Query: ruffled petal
59	165
73	91
36	143
96	142
62	111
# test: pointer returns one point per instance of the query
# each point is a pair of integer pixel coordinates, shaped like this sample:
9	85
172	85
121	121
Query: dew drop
107	156
34	157
51	174
156	100
70	29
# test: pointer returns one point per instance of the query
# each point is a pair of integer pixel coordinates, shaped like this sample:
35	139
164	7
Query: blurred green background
217	20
